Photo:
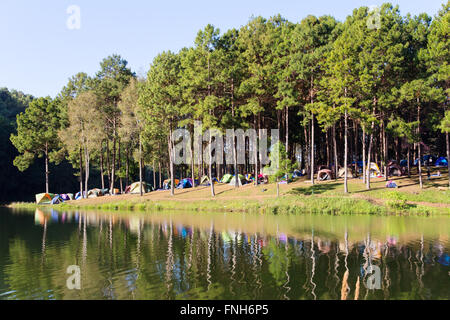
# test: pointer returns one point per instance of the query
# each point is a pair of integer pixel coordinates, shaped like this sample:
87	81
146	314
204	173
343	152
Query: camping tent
44	198
296	174
263	178
185	183
429	159
204	181
341	173
324	174
374	170
66	196
441	162
226	178
57	199
391	184
393	169
94	193
79	196
135	188
240	180
166	183
249	177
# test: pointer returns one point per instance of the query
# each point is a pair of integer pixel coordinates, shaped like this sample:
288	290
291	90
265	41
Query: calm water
221	256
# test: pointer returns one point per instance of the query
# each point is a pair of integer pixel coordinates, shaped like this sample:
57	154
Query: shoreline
298	197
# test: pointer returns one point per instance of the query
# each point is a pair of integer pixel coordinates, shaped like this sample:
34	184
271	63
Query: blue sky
39	53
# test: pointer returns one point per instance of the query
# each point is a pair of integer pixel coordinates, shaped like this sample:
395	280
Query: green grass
396	204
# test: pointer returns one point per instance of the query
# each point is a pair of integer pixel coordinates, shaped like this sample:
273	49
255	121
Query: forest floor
299	196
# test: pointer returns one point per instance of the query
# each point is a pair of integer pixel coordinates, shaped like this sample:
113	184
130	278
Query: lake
176	255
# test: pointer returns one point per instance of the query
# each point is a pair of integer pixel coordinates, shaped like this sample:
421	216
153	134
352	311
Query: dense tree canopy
341	94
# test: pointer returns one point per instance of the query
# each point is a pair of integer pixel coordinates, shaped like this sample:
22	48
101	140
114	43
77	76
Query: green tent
226	178
240	182
44	198
204	181
135	188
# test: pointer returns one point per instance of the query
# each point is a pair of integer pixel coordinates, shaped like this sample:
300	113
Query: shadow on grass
315	189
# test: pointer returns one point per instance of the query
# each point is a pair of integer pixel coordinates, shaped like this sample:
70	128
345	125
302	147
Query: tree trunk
448	157
385	151
345	151
328	148
192	163
119	166
409	160
113	165
364	153
312	148
370	146
211	181
278	187
335	153
46	168
368	159
127	166
154	176
108	163
160	178
81	173
141	191
308	149
101	167
418	145
287	131
355	149
236	170
86	173
312	131
236	167
170	147
255	152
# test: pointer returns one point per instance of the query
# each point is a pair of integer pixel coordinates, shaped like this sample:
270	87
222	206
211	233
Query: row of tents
51	198
326	173
206	181
429	160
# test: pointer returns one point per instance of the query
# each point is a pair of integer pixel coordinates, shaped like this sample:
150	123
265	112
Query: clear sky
39	52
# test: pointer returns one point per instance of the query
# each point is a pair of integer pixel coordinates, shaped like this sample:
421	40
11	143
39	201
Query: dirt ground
302	187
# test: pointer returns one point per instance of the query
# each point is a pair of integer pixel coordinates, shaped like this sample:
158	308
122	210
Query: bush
397	201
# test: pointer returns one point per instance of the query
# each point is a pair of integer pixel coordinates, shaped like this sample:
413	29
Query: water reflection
217	256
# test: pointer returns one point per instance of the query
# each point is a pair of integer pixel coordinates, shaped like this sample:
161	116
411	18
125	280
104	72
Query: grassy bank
295	198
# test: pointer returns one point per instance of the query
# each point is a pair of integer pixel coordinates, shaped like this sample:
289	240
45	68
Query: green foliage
397	201
37	132
279	162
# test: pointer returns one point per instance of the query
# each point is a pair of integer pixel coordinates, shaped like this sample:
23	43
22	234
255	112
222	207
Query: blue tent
430	159
185	183
79	196
57	200
391	184
296	174
441	162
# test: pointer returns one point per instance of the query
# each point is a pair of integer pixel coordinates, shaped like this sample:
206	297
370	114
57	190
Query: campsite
255	150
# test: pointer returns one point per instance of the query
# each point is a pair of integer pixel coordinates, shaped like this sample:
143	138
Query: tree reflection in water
235	256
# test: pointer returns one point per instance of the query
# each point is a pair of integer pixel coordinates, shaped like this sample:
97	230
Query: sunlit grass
298	197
